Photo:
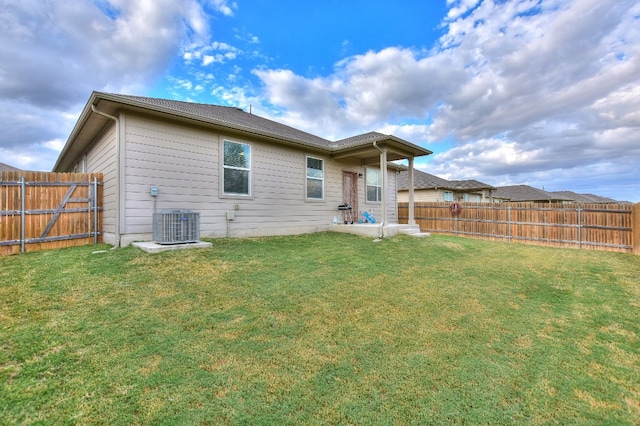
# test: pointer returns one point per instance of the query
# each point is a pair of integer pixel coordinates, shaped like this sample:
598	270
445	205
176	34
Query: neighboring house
526	193
428	188
8	168
244	174
585	198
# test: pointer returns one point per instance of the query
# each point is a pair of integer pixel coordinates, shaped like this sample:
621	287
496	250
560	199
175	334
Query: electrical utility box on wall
231	215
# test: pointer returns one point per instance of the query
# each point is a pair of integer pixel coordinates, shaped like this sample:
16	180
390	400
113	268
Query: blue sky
537	92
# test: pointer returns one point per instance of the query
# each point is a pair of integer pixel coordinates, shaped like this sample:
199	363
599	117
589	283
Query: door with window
350	191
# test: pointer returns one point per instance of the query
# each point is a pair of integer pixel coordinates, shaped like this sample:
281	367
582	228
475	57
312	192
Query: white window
237	168
374	185
315	178
448	196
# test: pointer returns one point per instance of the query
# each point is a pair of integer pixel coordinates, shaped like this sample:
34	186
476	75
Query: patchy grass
321	329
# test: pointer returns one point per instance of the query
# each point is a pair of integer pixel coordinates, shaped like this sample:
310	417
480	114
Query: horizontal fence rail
593	226
49	210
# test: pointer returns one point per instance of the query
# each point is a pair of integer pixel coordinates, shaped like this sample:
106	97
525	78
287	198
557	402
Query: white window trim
306	177
223	194
366	185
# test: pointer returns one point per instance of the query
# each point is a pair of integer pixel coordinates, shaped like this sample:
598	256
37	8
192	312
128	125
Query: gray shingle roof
231	117
422	180
238	119
470	184
585	198
8	168
524	193
360	139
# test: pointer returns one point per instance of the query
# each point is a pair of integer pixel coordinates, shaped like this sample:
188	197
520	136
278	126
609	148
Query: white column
412	219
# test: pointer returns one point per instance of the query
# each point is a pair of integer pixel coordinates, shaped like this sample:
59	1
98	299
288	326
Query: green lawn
321	329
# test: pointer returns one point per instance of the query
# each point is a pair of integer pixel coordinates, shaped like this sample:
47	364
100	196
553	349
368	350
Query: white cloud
208	59
84	45
54	144
224	6
410	132
462	7
215	52
522	86
56	53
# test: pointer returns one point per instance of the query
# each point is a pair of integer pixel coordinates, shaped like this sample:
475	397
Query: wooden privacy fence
587	226
49	210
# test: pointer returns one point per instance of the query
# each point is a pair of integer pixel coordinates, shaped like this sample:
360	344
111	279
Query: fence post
635	227
509	223
22	213
579	228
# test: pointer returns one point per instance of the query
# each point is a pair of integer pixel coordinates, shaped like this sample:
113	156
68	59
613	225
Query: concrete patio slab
373	230
151	247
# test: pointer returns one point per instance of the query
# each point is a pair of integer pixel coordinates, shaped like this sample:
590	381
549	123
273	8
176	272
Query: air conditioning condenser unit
176	227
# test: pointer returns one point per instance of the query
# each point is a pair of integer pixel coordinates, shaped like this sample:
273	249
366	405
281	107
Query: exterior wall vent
176	227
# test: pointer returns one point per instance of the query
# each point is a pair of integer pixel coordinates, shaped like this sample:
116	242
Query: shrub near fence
49	210
587	226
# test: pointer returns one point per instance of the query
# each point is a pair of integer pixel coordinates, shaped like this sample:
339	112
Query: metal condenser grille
176	226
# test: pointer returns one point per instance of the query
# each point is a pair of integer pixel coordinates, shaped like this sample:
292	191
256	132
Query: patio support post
412	219
383	169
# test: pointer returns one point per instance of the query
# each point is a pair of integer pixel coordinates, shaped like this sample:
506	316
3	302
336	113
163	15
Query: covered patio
377	149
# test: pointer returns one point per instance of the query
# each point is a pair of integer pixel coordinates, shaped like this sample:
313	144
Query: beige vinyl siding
179	160
279	206
101	158
392	197
421	195
376	206
184	163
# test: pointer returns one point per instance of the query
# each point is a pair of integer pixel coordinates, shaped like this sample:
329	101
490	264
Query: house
8	168
245	175
526	193
430	188
585	198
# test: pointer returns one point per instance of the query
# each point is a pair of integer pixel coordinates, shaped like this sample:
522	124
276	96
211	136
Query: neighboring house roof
524	193
8	168
228	119
585	198
421	180
470	185
424	180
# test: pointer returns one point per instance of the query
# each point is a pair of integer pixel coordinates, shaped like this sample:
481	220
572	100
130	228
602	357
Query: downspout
116	243
383	172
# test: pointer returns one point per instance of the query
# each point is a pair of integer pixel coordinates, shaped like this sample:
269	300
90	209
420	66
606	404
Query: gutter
116	243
